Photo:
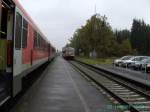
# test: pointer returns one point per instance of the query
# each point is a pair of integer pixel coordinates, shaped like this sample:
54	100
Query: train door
17	66
6	49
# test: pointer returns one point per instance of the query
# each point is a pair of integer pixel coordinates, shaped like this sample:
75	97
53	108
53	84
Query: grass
97	61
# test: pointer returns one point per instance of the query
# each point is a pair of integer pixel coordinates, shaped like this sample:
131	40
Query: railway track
133	98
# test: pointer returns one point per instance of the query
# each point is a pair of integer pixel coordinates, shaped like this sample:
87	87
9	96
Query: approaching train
23	48
68	53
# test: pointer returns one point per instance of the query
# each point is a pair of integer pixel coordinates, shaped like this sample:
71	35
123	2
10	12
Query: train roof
64	48
17	3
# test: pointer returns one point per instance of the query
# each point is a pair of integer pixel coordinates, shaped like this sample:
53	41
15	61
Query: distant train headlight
148	65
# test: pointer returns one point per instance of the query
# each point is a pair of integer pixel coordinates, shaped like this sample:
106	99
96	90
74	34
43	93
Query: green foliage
140	37
122	35
100	61
125	48
96	36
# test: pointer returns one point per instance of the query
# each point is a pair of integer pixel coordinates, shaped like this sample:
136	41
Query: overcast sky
58	19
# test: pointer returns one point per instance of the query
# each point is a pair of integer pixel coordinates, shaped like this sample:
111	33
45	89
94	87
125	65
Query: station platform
62	89
138	76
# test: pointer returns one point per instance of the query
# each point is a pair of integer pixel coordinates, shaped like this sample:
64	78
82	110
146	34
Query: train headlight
148	65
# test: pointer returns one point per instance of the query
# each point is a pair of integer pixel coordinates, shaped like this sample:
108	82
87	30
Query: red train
68	53
23	48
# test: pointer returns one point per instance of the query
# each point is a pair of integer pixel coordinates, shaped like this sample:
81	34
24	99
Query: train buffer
61	89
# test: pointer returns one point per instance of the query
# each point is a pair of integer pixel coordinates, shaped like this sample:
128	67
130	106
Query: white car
130	62
141	64
119	61
148	67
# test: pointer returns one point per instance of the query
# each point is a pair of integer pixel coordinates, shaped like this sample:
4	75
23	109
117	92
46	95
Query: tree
122	35
97	36
140	37
125	48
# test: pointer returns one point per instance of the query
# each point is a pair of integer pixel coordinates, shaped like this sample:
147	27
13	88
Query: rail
126	93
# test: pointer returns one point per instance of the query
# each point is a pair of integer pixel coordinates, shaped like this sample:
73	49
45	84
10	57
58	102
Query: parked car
145	65
118	62
148	67
131	61
140	65
138	59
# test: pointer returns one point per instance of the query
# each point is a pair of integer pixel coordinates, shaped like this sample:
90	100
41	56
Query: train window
35	39
38	40
43	45
41	42
18	31
25	33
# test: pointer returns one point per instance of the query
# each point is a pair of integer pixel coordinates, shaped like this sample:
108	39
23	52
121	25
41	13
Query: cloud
58	19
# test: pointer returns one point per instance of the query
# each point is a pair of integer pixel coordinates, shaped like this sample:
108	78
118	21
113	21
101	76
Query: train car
53	53
23	48
68	53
